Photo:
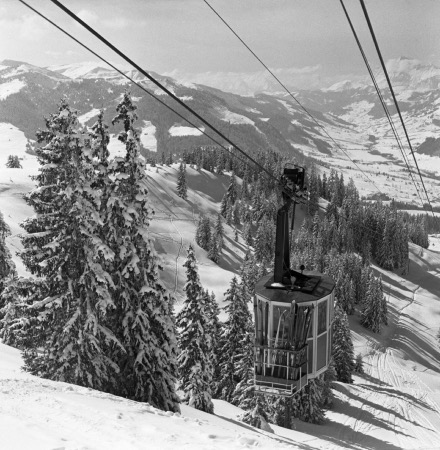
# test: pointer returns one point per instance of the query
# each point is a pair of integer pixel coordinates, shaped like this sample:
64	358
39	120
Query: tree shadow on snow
355	440
369	408
390	392
273	436
415	348
370	379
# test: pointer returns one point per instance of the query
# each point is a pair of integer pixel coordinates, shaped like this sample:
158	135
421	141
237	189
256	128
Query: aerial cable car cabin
293	312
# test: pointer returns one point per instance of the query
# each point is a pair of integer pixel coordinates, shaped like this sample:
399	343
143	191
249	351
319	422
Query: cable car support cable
373	35
290	94
288	193
381	98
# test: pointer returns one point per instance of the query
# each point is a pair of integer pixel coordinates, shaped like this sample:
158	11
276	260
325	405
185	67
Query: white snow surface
395	405
179	130
88	115
148	136
11	87
40	414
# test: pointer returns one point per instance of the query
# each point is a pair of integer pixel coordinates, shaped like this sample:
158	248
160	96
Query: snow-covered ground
148	136
88	115
179	130
394	405
10	87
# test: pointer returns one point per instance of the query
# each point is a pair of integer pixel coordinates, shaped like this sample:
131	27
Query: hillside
348	111
394	405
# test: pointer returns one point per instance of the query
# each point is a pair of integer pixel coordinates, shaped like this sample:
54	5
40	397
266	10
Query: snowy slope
395	405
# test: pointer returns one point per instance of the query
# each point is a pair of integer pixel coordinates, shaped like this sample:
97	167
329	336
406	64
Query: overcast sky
164	35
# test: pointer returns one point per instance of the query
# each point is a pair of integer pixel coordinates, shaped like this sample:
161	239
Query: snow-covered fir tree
215	333
143	314
234	334
229	199
195	341
13	162
359	364
308	401
213	253
342	347
20	326
244	395
327	379
182	189
63	247
204	233
373	313
7	267
219	232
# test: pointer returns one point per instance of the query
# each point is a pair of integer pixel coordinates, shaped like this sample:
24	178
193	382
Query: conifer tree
181	182
233	336
264	240
203	233
224	206
195	344
327	379
7	267
229	198
213	253
342	347
359	365
373	310
13	162
313	190
63	247
308	406
19	324
229	215
247	234
244	395
219	232
143	314
215	332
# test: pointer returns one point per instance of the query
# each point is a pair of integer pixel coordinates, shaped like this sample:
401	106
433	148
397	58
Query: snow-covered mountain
349	111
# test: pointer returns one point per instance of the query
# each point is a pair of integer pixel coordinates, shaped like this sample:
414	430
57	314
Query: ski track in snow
394	396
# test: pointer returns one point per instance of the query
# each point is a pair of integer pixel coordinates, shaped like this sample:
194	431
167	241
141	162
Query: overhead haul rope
370	26
170	108
289	93
133	81
379	93
155	81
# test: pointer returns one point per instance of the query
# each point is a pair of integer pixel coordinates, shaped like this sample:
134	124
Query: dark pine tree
13	162
182	189
373	313
7	267
215	334
195	341
219	232
342	347
234	334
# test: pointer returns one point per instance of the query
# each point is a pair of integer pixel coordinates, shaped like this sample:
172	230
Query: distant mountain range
348	110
